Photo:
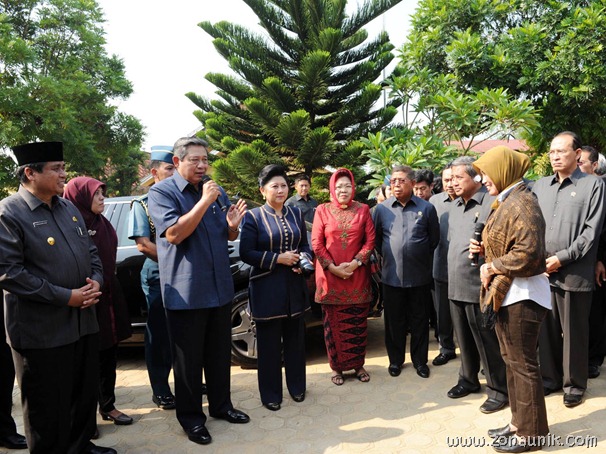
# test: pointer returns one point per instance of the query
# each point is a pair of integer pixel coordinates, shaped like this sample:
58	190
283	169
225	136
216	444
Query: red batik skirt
345	334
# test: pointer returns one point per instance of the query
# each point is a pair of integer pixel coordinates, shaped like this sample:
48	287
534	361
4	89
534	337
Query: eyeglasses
559	152
196	161
398	181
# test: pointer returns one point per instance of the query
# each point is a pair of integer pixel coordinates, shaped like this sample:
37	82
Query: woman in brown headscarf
343	237
112	312
515	293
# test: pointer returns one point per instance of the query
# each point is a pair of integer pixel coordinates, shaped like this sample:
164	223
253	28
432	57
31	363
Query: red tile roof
480	146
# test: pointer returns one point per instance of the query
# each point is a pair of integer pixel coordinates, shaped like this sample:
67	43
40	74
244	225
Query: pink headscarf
333	183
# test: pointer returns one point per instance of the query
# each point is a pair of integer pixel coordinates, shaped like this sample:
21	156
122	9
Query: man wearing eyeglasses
572	203
192	231
407	232
478	344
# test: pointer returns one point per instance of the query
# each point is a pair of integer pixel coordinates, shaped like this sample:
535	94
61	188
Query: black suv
129	262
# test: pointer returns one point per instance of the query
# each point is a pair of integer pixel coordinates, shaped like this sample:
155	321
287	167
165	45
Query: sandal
362	375
337	379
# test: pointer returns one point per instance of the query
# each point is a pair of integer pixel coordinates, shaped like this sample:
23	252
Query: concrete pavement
405	414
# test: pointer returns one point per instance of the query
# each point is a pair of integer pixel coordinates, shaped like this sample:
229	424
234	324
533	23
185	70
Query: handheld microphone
205	179
477	235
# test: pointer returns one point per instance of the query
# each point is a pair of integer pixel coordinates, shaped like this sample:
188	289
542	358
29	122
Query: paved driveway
406	414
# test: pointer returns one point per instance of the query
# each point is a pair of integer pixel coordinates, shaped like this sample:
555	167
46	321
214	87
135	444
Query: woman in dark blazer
273	240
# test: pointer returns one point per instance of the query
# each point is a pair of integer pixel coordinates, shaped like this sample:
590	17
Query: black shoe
164	402
199	434
233	416
514	444
273	406
459	391
15	441
298	397
94	449
491	405
594	371
423	371
501	432
443	358
572	400
96	435
394	370
120	420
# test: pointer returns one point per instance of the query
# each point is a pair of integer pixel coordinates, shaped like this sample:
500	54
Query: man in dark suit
51	274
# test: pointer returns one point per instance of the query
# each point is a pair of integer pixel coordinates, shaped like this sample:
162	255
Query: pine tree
302	92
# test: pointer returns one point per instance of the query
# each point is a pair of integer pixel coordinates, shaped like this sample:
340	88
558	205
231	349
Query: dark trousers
282	336
443	320
597	326
403	308
479	347
200	339
7	381
107	378
564	342
517	328
59	395
158	357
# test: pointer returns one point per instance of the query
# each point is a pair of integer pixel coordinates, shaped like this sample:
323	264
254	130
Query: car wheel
243	333
376	305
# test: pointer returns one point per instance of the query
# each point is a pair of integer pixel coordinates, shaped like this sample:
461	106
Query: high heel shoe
120	420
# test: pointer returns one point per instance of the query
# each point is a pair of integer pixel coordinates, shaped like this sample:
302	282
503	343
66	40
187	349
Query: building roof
481	146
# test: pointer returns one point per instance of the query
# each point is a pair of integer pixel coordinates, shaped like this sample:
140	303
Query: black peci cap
38	152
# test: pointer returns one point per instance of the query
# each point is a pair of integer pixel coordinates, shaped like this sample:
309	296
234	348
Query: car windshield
117	212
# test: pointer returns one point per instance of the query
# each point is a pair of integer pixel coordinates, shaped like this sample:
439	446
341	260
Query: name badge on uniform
39	223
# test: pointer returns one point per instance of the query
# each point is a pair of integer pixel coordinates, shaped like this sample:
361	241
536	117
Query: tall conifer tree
303	91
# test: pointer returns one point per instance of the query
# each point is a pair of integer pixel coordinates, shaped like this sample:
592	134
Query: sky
167	55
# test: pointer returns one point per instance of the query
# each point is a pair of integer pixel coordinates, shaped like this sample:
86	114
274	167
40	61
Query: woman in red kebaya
343	238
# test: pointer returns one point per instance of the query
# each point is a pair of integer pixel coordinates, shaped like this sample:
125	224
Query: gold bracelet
236	230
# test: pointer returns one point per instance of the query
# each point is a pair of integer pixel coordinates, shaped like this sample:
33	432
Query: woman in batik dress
343	238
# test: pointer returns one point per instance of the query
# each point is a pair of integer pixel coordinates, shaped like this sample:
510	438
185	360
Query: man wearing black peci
51	274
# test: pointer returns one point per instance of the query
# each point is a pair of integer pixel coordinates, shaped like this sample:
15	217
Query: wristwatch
359	262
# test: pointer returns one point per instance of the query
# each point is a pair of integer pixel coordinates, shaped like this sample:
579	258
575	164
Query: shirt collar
478	197
270	210
34	202
298	197
182	183
503	195
574	178
394	202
